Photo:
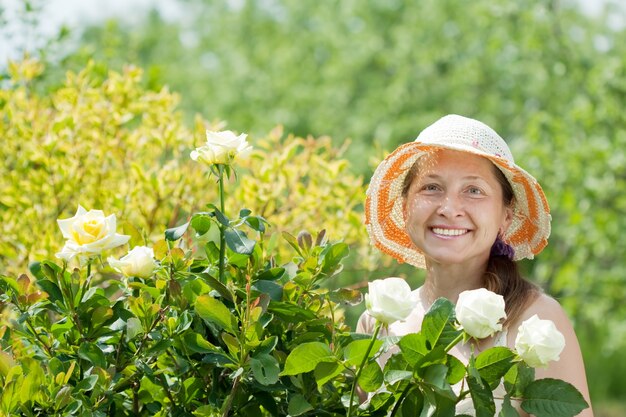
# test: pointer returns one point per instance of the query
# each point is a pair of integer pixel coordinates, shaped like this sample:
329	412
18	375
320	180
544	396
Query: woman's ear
508	219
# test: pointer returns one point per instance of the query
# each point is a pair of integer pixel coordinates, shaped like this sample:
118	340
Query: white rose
539	342
389	300
139	262
89	233
480	312
221	148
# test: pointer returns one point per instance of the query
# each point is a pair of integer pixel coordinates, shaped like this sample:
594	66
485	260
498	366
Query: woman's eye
430	187
474	190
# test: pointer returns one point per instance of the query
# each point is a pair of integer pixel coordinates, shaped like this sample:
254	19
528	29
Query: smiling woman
455	203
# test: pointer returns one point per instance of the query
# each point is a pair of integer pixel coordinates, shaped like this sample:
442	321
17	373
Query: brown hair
502	275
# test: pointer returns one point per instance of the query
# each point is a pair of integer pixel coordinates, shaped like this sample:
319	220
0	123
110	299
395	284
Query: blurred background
346	81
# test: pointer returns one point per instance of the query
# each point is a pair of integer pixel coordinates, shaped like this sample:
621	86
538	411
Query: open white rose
139	262
221	148
480	312
389	300
89	233
539	342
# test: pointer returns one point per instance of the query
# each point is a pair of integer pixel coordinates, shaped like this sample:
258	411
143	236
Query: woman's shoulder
545	307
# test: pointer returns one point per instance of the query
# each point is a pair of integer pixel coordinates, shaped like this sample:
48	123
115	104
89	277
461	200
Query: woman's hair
502	275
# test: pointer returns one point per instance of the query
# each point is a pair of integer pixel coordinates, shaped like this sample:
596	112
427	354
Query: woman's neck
449	281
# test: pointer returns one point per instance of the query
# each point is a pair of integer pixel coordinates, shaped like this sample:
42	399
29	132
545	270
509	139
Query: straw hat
530	228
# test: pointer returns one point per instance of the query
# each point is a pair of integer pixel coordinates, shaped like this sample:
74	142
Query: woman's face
454	207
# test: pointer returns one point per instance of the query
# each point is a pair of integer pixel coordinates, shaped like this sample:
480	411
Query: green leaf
413	347
493	363
332	256
306	356
392	376
88	383
274	290
52	289
456	370
552	398
438	320
92	354
244	212
213	311
271	274
371	377
355	351
293	242
482	397
507	408
298	405
238	242
201	224
219	215
265	369
413	403
196	343
256	223
326	371
217	286
290	312
436	376
517	378
176	233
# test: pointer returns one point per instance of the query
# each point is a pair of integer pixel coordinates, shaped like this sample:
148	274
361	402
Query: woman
454	202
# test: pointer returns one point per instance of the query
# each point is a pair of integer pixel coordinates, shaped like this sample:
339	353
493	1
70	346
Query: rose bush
539	342
480	312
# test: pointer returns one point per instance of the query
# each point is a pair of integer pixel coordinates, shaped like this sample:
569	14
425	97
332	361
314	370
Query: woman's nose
450	206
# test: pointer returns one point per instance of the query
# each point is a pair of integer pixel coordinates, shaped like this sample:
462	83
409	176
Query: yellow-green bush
105	141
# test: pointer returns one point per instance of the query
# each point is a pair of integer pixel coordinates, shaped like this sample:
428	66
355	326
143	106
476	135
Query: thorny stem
360	368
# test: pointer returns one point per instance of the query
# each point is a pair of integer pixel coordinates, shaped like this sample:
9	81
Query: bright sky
75	13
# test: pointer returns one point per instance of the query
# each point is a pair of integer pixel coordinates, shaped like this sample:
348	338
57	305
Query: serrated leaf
437	319
371	377
553	398
413	347
517	378
355	351
493	363
482	397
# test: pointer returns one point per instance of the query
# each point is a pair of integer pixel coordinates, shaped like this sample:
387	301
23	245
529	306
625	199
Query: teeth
449	232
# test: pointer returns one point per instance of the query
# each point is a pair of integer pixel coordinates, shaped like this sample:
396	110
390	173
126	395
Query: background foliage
549	78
